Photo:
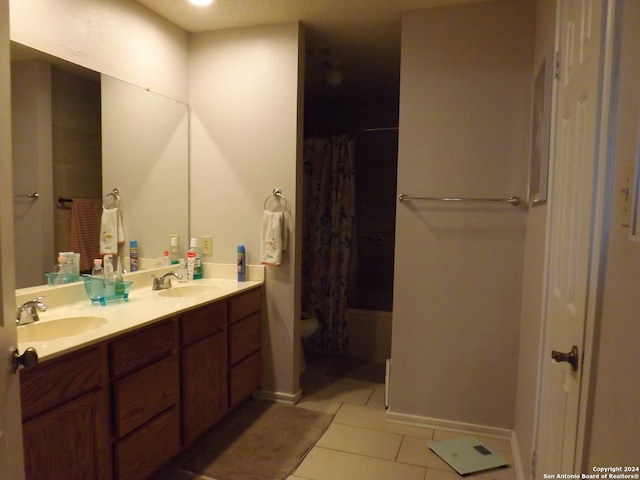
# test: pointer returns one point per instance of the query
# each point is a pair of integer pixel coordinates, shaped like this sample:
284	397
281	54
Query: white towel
274	238
111	231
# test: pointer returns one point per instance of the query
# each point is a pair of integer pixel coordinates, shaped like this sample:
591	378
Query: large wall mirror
78	134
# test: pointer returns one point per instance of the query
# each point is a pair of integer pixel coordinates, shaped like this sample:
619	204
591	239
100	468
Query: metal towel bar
30	195
406	198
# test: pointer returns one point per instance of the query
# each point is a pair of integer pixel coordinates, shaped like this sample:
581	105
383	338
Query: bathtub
369	334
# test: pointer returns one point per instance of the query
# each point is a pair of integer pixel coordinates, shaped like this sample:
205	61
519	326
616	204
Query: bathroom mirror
79	134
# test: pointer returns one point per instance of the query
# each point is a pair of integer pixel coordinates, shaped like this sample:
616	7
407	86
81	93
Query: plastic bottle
182	270
97	270
119	284
108	267
174	251
60	266
197	266
133	256
241	263
191	264
110	286
166	260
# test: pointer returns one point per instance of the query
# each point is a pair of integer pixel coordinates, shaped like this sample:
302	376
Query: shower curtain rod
379	129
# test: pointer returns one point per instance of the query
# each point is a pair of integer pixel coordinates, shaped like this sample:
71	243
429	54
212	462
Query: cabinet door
204	385
66	442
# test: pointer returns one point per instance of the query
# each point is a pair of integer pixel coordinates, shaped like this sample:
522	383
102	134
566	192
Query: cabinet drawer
203	322
245	337
142	395
146	450
245	304
142	347
244	378
58	381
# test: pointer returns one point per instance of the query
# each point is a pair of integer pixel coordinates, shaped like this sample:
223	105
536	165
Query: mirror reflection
77	135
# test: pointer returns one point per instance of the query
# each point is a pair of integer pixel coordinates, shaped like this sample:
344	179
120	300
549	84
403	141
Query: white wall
120	38
464	129
32	154
614	439
244	99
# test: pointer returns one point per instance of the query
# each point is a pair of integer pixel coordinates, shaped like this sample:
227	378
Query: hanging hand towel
274	238
85	230
111	231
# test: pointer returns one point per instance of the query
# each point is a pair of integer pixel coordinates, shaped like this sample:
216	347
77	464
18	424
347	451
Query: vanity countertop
145	306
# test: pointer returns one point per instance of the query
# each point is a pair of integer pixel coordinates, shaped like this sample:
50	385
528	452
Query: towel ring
277	194
115	193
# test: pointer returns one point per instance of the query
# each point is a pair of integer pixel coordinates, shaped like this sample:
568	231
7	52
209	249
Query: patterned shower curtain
328	232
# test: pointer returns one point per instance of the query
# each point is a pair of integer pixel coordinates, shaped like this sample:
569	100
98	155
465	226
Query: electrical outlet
207	245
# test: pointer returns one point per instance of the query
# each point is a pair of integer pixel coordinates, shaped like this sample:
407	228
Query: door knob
28	359
571	357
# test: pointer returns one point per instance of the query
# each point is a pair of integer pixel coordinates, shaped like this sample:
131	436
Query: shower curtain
328	232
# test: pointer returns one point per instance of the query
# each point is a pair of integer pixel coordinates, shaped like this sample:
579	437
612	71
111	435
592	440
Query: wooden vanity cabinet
126	406
245	344
204	369
65	413
145	374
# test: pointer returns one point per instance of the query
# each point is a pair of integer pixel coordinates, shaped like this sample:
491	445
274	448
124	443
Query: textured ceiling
364	35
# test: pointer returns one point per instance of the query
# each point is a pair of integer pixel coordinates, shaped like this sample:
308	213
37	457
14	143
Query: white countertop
145	306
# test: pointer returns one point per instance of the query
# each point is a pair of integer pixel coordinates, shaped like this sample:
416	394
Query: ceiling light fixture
201	3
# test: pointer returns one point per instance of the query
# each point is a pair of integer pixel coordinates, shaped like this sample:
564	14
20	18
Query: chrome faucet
164	282
32	307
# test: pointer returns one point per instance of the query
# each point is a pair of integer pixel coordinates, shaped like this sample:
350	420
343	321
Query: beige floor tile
376	419
377	399
362	441
433	474
343	390
416	452
326	464
322	406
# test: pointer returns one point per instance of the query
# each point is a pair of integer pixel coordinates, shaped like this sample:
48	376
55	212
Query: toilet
309	326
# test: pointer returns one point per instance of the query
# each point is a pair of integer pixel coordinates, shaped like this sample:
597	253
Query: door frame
600	234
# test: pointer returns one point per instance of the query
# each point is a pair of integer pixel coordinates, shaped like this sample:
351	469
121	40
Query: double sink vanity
120	389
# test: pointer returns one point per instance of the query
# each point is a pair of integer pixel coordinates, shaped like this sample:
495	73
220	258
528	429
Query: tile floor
361	445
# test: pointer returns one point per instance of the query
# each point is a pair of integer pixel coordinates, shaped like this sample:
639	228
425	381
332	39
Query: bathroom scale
467	455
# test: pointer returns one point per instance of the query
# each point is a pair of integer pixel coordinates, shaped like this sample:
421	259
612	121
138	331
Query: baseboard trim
517	459
454	426
279	397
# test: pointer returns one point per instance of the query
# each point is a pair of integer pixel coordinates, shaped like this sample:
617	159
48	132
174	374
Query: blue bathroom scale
467	455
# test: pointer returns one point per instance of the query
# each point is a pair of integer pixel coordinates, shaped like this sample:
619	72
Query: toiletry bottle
191	264
174	251
166	261
107	265
133	256
197	267
182	270
241	263
97	270
110	286
60	266
119	284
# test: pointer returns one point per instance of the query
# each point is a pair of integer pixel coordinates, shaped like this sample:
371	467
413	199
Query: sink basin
187	291
45	330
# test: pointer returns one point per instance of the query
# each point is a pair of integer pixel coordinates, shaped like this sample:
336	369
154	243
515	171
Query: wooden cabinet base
146	450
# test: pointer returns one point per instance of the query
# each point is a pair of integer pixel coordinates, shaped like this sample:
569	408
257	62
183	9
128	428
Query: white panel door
571	232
